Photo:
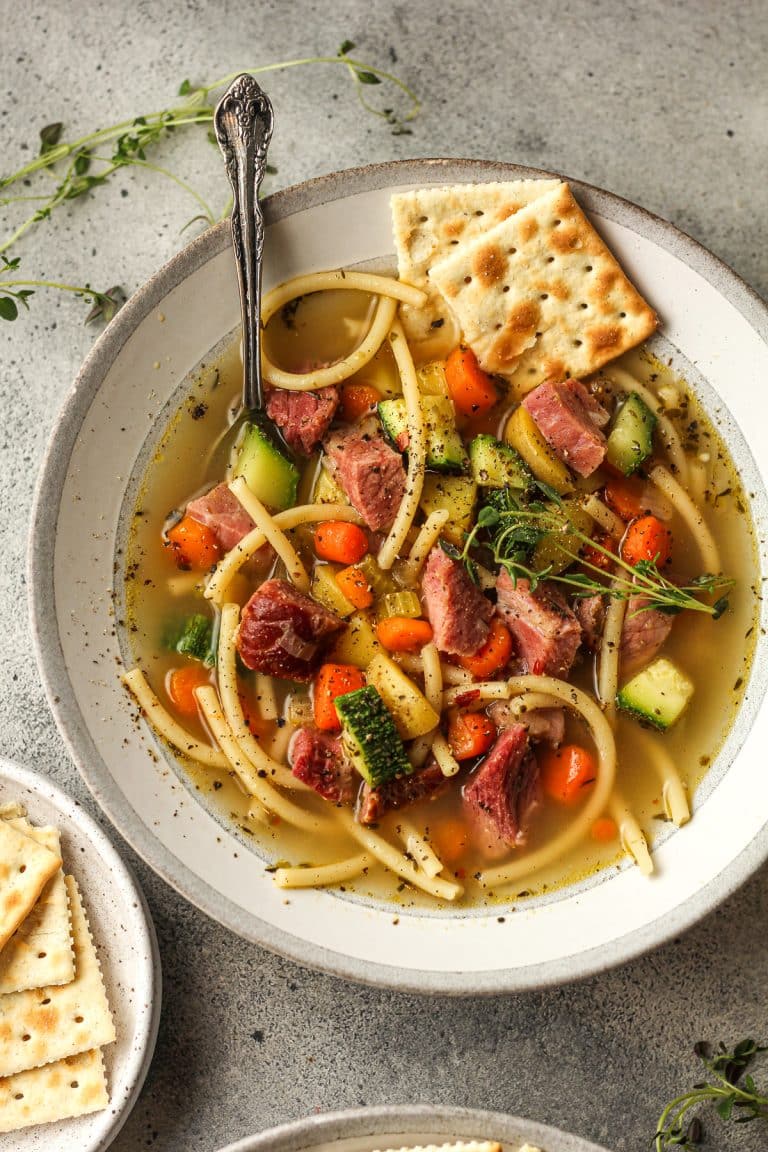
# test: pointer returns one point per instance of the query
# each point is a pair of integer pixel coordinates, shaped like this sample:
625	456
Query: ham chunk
281	631
302	417
455	607
569	419
643	634
545	629
223	513
590	612
317	758
503	792
543	724
370	472
399	793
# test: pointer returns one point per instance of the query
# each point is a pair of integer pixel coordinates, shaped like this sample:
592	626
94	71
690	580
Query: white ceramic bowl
365	1129
125	938
128	387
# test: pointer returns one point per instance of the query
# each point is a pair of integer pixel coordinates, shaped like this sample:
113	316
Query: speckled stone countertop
662	101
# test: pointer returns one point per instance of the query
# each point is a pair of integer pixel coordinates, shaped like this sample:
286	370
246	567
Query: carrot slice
341	542
647	539
331	681
358	400
193	544
403	634
470	734
181	684
494	654
566	772
624	495
355	587
449	839
471	390
595	557
604	830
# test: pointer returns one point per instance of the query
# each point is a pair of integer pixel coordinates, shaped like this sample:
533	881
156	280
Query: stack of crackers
54	1014
518	272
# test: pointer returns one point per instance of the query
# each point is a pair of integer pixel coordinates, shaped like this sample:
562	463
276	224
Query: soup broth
196	453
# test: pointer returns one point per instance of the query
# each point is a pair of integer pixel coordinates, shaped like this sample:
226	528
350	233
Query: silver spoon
243	121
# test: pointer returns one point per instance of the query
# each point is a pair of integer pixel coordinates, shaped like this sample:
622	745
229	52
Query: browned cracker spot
25	868
40	950
540	296
43	1025
430	223
59	1091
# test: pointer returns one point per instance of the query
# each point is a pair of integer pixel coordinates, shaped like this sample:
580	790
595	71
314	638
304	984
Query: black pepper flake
198	411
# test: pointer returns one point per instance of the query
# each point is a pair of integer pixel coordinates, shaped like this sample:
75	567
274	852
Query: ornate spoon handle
243	121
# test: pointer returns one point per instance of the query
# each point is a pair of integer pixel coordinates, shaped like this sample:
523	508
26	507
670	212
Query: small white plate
127	946
393	1126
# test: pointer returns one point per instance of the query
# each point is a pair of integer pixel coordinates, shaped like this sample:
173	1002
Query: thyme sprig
511	526
16	292
729	1088
80	166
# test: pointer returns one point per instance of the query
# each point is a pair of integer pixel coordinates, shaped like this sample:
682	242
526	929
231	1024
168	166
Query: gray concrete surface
663	102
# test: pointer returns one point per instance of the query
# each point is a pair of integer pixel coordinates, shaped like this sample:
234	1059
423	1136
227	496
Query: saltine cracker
540	296
62	1090
25	869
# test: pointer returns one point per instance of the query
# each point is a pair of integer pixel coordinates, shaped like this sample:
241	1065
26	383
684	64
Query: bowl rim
44	624
403	1119
143	1048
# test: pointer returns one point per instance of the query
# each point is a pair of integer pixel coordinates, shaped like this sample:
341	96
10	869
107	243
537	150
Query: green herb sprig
729	1087
80	166
511	526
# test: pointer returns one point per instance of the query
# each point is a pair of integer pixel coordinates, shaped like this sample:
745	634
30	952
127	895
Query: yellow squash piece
521	432
457	494
357	644
411	711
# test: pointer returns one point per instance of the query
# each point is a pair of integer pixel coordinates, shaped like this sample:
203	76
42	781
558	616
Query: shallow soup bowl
134	380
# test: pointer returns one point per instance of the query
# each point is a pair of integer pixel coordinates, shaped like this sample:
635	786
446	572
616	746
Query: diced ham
545	629
645	631
281	631
370	472
302	417
569	419
590	612
501	795
543	724
456	608
222	512
317	759
399	793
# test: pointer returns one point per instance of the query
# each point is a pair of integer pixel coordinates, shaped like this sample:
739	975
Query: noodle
610	651
632	838
418	846
343	369
673	490
226	569
254	784
226	670
602	514
417	450
627	383
577	700
433	676
397	862
324	874
673	792
449	765
265	694
272	533
425	541
169	728
476	693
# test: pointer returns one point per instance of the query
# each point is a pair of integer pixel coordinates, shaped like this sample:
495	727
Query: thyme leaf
511	525
729	1088
82	165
